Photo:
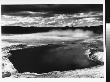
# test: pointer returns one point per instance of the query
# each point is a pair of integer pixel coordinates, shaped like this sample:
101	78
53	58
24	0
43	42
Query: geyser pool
49	58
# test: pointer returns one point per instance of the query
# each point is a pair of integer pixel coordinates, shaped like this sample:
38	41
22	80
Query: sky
56	8
52	15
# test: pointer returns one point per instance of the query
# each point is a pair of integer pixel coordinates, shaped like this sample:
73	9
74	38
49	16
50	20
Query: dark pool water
49	58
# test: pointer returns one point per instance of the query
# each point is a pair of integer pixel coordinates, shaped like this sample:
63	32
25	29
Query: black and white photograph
107	51
52	41
107	13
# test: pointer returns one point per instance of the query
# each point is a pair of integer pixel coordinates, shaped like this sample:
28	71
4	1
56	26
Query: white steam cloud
56	35
69	33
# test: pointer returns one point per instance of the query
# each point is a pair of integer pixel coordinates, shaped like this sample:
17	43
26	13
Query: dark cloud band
56	8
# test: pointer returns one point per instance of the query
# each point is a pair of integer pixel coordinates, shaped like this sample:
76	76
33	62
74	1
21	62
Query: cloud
31	14
56	8
48	19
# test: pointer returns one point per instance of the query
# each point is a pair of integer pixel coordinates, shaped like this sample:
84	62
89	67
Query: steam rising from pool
52	35
69	33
